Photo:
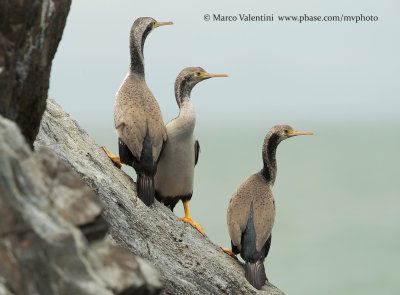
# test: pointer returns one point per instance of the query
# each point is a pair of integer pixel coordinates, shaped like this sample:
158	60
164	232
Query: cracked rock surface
30	31
52	236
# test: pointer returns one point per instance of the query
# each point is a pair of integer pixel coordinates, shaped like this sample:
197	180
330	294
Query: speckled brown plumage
137	116
255	189
251	211
136	109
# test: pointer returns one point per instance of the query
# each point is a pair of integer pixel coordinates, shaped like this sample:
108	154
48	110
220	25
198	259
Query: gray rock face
188	262
51	235
30	31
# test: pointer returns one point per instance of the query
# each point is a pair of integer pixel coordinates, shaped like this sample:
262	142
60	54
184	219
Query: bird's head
271	141
188	78
275	136
282	132
143	26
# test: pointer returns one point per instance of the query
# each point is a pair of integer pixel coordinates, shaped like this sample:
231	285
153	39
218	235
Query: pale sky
283	71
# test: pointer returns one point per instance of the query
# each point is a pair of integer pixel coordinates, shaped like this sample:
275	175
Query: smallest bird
251	211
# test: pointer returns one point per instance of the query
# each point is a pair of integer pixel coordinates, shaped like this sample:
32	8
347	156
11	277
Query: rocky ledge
52	234
188	262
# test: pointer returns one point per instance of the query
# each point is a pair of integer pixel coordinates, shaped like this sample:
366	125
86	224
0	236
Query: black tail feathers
145	188
255	274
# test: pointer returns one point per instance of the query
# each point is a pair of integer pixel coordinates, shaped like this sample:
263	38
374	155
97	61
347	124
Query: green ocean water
337	198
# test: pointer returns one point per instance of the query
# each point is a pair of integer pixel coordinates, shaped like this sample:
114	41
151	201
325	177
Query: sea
337	226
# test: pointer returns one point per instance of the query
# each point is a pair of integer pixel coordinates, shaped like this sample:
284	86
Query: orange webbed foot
194	224
229	252
116	160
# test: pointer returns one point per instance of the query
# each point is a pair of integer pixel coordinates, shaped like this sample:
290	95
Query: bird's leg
168	206
189	220
229	252
116	160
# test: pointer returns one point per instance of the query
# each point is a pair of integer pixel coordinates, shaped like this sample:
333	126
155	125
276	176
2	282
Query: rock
46	213
189	263
30	31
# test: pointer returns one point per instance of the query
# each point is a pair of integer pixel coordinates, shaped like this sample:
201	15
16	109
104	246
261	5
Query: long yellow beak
207	75
295	133
163	24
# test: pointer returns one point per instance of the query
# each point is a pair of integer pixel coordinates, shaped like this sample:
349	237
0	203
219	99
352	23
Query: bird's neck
186	119
137	59
182	127
269	158
187	114
182	93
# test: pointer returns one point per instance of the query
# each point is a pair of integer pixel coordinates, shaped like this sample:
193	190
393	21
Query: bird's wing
264	211
131	133
196	151
255	190
238	214
135	112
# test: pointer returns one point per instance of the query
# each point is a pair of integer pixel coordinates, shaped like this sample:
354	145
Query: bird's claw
116	160
229	252
194	224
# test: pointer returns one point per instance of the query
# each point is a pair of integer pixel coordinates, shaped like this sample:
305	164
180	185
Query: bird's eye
286	132
198	74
